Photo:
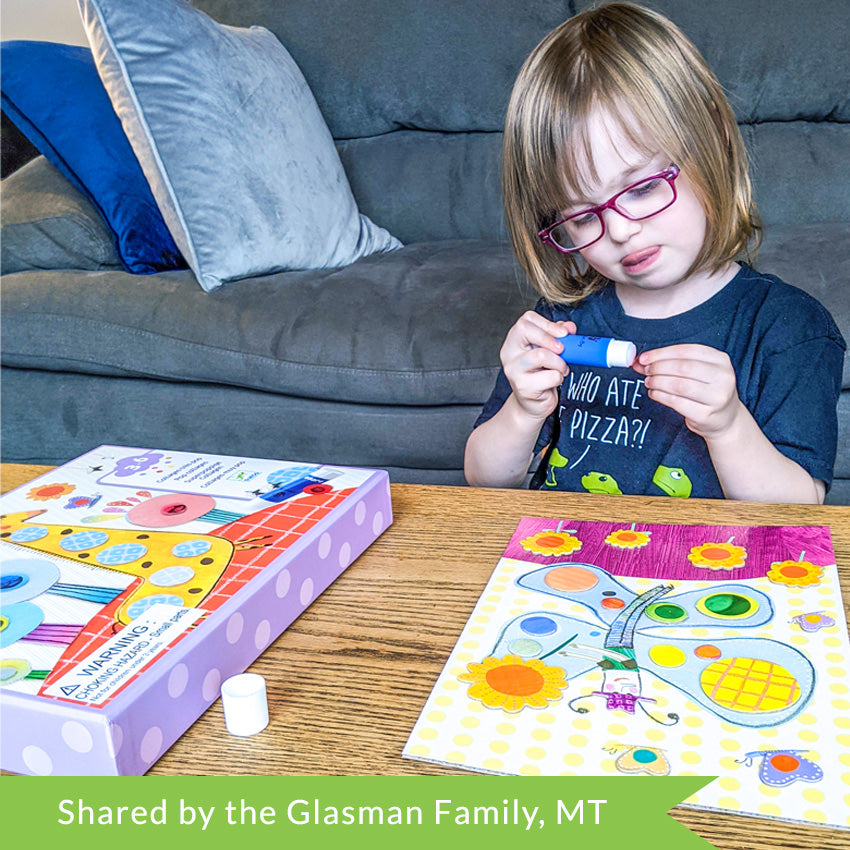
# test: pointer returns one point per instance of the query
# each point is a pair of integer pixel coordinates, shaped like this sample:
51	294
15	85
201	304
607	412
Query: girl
627	201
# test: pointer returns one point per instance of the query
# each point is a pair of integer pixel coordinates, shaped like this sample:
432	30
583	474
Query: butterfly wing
751	682
559	641
726	604
584	583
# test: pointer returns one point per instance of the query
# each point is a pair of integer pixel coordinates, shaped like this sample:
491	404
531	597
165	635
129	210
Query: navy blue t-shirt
612	438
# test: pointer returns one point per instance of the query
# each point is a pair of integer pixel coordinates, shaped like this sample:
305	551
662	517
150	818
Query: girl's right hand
533	367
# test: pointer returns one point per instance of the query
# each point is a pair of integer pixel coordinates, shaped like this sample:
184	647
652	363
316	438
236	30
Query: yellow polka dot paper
636	649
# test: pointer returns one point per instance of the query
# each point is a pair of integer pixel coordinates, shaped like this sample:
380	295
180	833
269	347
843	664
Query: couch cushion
65	415
800	171
53	94
409	64
48	224
429	186
451	66
776	60
419	326
230	138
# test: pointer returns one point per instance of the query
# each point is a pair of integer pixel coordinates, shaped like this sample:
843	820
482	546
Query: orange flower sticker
551	543
511	683
628	538
718	556
795	573
47	492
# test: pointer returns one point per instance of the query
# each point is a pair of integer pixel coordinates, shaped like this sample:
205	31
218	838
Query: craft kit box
135	581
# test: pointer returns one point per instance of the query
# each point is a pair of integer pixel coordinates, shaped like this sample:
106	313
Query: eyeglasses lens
645	199
578	231
638	202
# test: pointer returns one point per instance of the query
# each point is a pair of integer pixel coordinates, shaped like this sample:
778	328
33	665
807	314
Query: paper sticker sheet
601	648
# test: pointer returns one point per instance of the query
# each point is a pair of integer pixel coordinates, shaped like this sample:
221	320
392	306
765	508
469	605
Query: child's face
647	256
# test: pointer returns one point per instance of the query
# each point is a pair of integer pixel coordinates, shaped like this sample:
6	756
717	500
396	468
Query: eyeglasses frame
669	174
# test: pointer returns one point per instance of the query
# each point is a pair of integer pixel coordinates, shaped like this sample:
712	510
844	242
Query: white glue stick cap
621	353
246	709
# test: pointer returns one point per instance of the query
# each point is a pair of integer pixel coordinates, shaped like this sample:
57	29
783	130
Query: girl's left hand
696	381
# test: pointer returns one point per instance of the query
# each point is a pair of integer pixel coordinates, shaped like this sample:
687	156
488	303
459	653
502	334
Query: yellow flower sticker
511	683
628	538
718	556
551	543
795	573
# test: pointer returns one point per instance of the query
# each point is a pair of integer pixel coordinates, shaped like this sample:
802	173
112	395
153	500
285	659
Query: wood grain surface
347	680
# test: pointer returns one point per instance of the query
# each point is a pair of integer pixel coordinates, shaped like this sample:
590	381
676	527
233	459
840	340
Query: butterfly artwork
637	649
748	681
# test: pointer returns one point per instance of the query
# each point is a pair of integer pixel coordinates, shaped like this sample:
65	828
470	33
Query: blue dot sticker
18	621
525	648
12	580
123	553
22	579
644	756
191	548
539	626
171	576
142	605
82	540
29	534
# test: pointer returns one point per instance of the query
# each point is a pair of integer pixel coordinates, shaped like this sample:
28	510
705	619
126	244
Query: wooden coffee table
347	680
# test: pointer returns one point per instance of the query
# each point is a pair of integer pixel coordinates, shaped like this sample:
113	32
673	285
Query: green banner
373	811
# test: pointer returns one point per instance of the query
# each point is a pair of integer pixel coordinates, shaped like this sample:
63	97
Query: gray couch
386	362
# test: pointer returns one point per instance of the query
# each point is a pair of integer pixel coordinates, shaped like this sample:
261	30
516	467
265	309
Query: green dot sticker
666	612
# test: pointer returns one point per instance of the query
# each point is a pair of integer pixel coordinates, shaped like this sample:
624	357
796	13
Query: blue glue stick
597	351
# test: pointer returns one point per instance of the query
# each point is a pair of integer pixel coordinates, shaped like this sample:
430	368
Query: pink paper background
666	555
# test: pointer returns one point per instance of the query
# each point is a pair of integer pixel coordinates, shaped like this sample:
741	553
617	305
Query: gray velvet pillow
48	224
231	140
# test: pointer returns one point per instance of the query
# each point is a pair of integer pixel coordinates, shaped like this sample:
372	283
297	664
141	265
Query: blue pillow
237	153
52	92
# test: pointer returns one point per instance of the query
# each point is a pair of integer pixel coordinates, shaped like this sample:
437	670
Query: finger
683	388
695	370
537	384
539	331
683	351
555	329
548	380
536	359
685	407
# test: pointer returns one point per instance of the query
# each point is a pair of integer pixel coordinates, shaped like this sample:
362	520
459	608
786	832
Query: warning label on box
98	676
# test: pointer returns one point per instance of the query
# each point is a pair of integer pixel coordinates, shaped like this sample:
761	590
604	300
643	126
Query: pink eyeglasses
641	200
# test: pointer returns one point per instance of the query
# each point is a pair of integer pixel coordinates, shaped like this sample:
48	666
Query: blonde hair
628	61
